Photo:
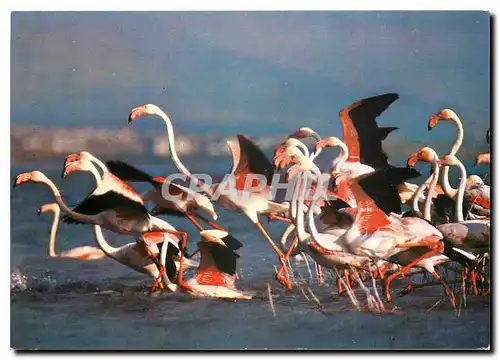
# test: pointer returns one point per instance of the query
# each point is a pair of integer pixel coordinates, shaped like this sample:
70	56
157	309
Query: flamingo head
79	165
331	141
474	180
445	114
449	160
214	236
206	205
305	132
425	154
291	155
85	155
48	207
147	109
33	176
482	159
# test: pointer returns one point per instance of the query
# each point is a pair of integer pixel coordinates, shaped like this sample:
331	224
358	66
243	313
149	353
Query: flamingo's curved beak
21	178
482	159
433	122
135	113
319	145
214	236
69	168
215	216
412	160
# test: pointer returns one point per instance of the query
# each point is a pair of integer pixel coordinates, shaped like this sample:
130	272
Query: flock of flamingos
358	230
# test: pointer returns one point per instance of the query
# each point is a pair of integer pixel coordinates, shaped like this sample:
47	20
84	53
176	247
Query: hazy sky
255	73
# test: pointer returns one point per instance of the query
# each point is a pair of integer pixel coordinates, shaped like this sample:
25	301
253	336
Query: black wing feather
381	186
224	258
232	243
363	117
257	161
127	172
110	200
170	266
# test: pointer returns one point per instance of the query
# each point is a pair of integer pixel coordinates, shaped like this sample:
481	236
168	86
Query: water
70	304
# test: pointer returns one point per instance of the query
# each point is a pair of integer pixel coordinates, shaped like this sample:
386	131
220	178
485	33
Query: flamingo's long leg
388	280
278	217
157	283
285	281
340	289
287	255
319	270
211	223
447	289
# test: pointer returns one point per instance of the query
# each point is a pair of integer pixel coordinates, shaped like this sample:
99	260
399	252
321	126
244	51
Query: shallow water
70	304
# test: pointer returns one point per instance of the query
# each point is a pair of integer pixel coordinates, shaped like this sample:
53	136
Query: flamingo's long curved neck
103	167
313	230
62	204
303	147
445	180
103	244
302	182
101	241
53	232
173	152
418	193
301	232
316	153
339	161
430	191
459	216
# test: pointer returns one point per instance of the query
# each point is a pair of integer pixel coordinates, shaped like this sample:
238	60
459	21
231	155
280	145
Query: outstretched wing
381	186
251	160
110	200
127	172
361	133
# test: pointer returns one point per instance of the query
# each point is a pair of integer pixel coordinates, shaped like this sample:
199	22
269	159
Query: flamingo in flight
183	201
131	255
362	143
110	210
248	159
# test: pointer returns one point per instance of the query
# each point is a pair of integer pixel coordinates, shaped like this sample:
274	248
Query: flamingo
362	139
131	255
449	115
108	179
215	275
180	200
426	154
466	237
112	211
475	232
302	133
247	159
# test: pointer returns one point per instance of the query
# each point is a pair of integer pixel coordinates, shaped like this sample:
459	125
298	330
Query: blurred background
75	76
